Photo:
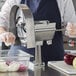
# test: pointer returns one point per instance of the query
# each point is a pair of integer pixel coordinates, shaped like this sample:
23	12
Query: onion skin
68	59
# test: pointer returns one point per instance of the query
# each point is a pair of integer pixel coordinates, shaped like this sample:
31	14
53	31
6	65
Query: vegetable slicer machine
30	33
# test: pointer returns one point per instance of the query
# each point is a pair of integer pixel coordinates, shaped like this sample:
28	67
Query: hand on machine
8	38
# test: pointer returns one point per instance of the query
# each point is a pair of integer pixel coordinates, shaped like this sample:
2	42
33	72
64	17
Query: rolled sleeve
5	12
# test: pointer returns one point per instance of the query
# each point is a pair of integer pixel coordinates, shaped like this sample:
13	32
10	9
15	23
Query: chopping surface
63	67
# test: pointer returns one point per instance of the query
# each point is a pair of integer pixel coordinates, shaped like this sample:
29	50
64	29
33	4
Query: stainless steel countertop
38	72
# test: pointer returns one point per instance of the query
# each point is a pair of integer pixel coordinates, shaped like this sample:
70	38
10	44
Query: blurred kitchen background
68	44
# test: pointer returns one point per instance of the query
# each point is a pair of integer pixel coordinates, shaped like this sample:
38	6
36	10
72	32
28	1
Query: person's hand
8	38
71	30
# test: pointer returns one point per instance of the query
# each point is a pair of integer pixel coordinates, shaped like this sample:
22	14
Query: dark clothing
22	1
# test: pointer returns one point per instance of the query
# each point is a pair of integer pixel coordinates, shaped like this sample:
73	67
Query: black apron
48	10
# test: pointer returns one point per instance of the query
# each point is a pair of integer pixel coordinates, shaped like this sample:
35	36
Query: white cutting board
62	67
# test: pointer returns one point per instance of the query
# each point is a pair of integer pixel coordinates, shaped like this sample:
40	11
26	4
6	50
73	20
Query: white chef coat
66	8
